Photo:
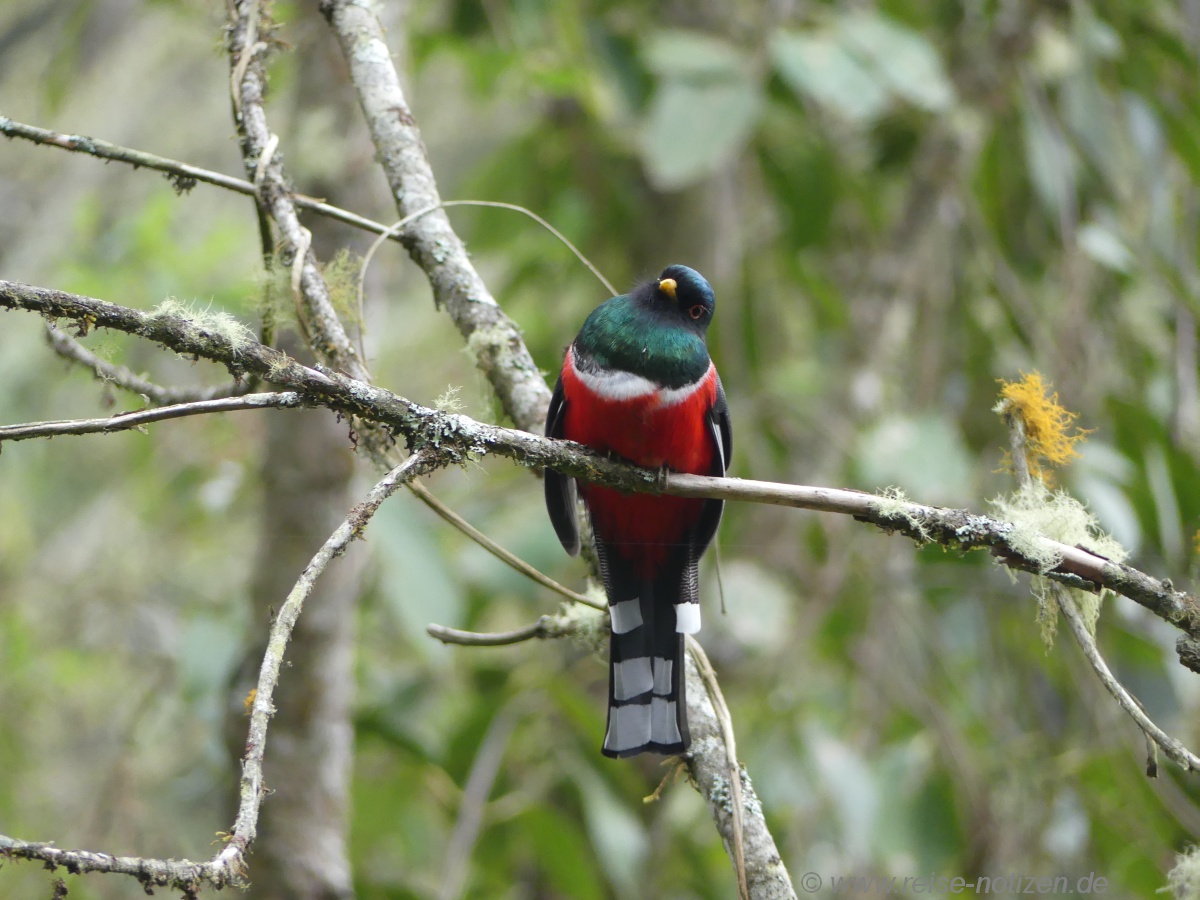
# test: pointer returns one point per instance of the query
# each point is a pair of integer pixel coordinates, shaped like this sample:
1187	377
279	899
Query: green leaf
855	66
1105	248
414	580
904	60
924	455
563	853
692	55
818	65
1052	165
694	127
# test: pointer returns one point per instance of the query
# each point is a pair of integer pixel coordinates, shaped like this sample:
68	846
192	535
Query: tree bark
301	851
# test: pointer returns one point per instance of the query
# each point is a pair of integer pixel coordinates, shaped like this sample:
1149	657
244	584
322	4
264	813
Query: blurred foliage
898	204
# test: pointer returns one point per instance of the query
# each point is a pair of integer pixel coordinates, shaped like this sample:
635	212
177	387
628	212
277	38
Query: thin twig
482	777
506	557
1066	604
126	421
1173	748
545	627
397	228
183	176
69	348
281	630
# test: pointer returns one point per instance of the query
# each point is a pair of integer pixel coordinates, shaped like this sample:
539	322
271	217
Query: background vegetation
897	203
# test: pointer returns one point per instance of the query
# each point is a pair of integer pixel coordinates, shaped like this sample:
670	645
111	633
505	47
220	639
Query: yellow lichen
1050	432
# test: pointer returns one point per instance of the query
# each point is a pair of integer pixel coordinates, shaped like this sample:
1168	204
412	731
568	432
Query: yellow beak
667	286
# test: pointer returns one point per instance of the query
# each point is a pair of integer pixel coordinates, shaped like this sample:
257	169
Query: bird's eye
697	311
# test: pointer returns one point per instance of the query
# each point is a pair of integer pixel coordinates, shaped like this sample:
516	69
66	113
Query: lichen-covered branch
1080	625
493	338
176	874
455	439
443	438
766	876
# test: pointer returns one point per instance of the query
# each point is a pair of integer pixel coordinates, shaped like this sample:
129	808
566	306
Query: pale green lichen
749	796
1036	513
450	401
208	320
892	503
280	363
707	747
589	626
1183	881
341	276
276	304
487	344
721	795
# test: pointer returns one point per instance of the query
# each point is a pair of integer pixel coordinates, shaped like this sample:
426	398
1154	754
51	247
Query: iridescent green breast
620	334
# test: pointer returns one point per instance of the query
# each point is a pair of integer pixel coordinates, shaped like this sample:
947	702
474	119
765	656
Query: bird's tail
647	706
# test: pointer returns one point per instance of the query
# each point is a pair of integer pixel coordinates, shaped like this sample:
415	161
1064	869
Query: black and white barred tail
647	703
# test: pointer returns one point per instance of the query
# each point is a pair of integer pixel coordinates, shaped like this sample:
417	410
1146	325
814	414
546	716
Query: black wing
561	496
722	436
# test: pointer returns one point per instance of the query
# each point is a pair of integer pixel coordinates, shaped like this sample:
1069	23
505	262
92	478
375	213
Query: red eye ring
697	311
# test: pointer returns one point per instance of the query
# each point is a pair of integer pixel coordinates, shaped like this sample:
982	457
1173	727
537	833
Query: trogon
637	383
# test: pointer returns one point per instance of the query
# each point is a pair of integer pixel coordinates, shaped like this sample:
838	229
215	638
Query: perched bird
637	382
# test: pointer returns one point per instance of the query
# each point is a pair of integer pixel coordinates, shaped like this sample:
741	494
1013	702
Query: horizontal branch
126	421
453	439
183	176
179	874
544	627
961	529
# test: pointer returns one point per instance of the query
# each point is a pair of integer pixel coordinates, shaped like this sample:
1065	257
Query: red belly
642	527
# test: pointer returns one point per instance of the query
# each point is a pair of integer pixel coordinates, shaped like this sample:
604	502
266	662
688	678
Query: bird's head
689	293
